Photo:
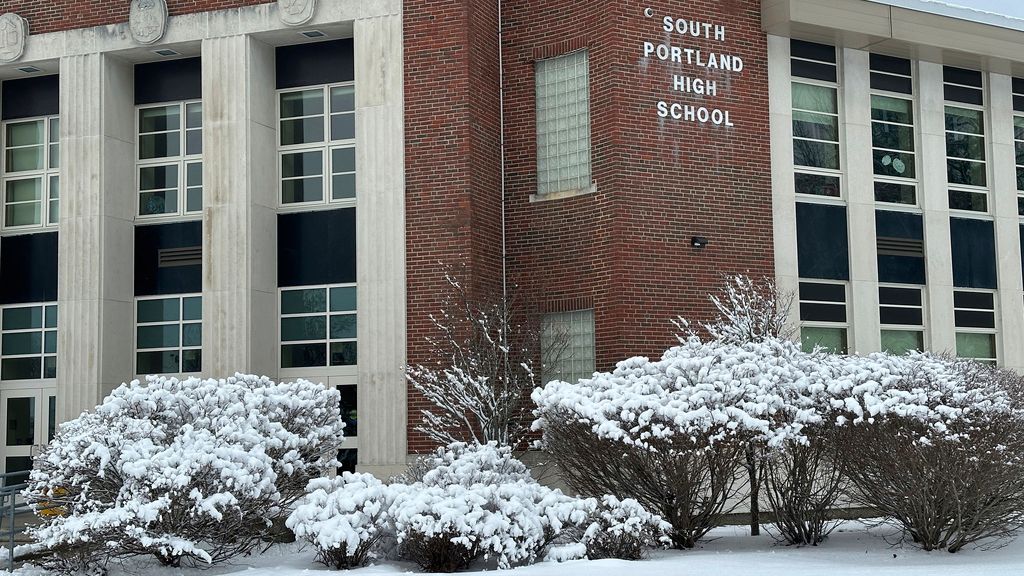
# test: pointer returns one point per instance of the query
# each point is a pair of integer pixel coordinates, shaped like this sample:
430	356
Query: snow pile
189	470
345	518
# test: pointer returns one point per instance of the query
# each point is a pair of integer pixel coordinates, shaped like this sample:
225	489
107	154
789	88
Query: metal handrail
9	508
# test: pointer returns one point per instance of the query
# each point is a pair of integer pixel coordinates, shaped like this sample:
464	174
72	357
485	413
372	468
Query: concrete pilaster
239	207
95	288
380	243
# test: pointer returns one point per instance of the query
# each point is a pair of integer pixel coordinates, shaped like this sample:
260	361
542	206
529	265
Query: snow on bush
345	518
191	471
622	529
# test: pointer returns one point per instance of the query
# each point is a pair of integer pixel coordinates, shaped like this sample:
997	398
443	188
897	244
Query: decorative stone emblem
13	34
147	20
296	12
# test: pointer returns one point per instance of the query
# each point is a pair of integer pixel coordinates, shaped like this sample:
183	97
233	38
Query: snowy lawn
729	551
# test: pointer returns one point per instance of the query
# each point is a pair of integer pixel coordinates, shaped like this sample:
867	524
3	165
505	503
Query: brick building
211	186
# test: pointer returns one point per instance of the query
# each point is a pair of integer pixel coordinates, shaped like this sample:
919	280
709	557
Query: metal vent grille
187	256
900	247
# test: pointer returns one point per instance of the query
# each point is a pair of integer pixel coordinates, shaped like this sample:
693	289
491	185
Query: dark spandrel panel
891	64
169	81
812	50
972	319
1018	103
892	83
961	76
823	247
1018	85
150	278
901	316
899	296
895	193
901	269
822	292
28	268
893	224
813	70
316	247
973	248
817	184
974	300
963	94
30	97
823	312
314	63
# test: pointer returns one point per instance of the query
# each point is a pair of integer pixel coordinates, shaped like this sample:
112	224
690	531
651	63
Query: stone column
1007	222
239	208
860	194
935	203
95	285
380	244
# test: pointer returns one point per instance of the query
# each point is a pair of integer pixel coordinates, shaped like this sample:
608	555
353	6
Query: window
28	345
823	321
901	312
567	345
892	130
815	118
1018	139
318	326
31	175
170	159
975	319
169	334
965	140
317	145
563	124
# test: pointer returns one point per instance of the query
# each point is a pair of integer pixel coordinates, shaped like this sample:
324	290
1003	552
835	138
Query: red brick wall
53	15
626	248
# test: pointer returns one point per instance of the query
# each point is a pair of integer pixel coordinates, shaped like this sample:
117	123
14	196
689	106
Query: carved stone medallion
13	34
296	12
147	20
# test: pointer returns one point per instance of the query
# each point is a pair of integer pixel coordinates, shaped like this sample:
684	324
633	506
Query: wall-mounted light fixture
698	242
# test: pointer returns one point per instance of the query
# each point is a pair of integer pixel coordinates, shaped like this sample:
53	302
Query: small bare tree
748	310
485	352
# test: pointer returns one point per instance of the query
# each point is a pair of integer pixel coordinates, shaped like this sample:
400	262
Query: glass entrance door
28	419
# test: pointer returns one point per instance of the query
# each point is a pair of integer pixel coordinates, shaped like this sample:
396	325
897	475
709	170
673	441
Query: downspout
501	135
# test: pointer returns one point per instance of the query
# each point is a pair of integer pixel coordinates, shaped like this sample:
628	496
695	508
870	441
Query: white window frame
326	148
31	382
847	326
338	375
1018	142
840	140
46	175
180	348
590	185
181	161
907	327
993	331
986	118
915	110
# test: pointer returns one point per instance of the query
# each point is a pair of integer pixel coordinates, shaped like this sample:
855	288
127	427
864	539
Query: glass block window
169	334
815	101
892	130
28	342
567	345
169	167
966	171
901	313
563	123
823	318
318	326
31	173
316	146
975	319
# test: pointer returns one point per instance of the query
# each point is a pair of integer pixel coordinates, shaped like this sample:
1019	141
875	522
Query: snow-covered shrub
622	529
672	433
936	445
467	464
191	471
345	518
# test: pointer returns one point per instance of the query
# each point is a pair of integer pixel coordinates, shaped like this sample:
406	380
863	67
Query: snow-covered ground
729	551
